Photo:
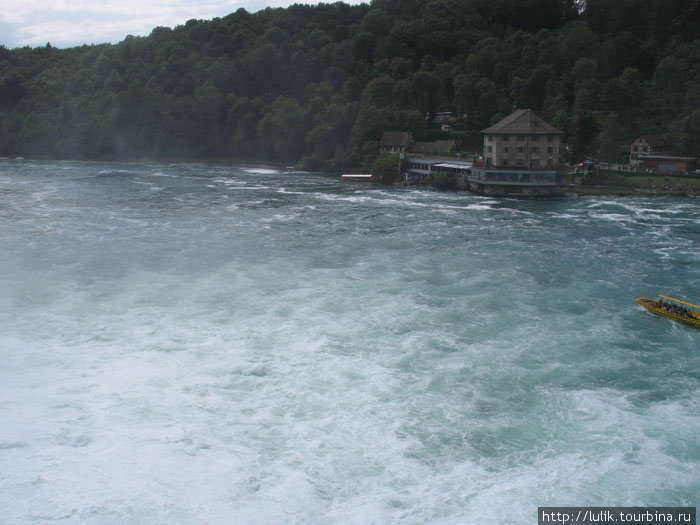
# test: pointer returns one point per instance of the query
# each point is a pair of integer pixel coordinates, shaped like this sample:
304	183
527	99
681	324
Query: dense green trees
386	168
443	181
319	84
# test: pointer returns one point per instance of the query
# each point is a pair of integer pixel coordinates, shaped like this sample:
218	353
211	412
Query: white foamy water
252	345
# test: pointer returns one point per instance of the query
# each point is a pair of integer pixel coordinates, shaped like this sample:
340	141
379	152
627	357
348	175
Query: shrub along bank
627	183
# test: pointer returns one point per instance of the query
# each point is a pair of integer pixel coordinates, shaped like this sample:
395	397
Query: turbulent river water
199	343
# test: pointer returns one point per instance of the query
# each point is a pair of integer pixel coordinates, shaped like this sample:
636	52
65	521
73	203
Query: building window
520	149
489	137
636	148
550	138
550	149
505	149
505	162
535	138
520	138
519	162
549	162
535	149
645	148
506	138
489	149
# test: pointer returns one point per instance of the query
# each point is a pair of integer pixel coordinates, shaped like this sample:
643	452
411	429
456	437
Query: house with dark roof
395	142
655	153
649	145
402	142
432	148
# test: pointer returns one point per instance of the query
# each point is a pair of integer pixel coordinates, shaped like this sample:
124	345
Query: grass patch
621	183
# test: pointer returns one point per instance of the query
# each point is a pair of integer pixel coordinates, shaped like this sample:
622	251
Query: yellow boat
673	310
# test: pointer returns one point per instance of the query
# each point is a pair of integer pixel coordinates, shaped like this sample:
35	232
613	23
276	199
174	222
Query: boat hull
649	304
350	177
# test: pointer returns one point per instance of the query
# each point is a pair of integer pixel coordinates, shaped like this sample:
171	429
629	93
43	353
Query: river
192	343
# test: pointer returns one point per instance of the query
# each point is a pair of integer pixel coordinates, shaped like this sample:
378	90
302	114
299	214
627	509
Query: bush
443	181
386	168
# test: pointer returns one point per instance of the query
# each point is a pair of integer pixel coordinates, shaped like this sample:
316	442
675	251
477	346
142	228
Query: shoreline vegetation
316	86
611	182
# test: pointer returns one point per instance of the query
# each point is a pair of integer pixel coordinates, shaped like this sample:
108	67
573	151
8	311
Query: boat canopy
679	301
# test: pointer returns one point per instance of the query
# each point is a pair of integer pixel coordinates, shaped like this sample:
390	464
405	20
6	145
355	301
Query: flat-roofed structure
665	163
418	170
514	183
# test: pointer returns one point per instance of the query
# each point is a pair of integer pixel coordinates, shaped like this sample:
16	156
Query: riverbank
609	182
629	186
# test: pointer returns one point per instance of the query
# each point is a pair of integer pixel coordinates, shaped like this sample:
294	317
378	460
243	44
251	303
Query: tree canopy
319	84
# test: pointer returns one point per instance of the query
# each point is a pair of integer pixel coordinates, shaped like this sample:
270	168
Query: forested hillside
320	84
